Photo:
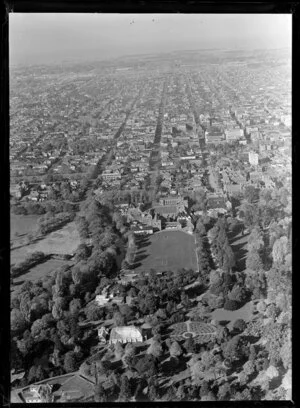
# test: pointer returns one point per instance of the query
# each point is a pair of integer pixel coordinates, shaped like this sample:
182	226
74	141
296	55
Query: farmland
167	250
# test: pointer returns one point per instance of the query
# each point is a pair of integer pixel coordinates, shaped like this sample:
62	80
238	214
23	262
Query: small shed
146	330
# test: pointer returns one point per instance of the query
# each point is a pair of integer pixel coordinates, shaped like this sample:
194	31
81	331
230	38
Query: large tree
190	345
255	240
249	213
280	250
200	227
155	348
227	258
70	363
17	321
251	194
254	261
146	366
119	319
232	349
125	391
82	252
83	227
25	305
75	306
175	349
100	393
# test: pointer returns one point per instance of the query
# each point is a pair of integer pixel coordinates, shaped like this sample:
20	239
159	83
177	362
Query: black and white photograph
150	181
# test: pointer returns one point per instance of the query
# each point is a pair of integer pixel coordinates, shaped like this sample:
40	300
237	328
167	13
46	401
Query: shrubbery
240	325
30	261
231	305
47	225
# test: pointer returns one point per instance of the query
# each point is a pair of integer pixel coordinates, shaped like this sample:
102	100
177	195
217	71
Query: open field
166	250
21	225
40	271
19	254
63	241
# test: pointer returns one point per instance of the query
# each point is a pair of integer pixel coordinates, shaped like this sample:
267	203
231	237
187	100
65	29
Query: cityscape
151	226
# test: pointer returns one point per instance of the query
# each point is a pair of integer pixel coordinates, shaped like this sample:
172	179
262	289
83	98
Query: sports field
167	250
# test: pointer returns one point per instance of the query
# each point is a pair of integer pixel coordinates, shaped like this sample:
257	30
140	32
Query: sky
36	38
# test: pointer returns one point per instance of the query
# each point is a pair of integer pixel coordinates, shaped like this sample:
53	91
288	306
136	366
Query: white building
234	134
251	129
287	120
253	158
125	334
102	299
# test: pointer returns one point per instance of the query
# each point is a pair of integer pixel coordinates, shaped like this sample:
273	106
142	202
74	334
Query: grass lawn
39	271
20	227
77	387
166	250
63	241
19	254
22	224
245	313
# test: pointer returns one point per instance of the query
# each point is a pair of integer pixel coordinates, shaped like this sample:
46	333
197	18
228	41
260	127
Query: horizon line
130	55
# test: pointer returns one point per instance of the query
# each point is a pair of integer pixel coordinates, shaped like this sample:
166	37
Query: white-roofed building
125	334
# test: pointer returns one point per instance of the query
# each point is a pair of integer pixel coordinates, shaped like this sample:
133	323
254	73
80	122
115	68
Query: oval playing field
167	250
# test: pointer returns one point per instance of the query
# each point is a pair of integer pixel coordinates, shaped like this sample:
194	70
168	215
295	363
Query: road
123	125
155	159
212	178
